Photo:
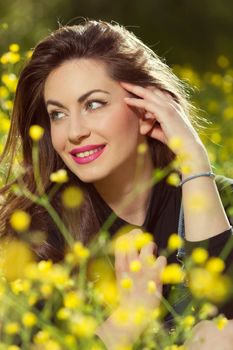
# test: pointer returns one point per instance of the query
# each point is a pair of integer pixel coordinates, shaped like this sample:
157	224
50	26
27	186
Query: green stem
169	308
43	201
227	249
41	321
36	169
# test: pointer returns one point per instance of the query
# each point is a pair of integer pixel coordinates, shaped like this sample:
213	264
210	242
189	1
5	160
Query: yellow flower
125	241
175	347
135	265
199	255
20	286
70	341
72	300
185	169
107	292
10	80
173	179
151	287
126	283
72	197
29	54
142	148
45	266
59	277
5	125
123	347
172	273
51	345
12	328
197	202
13	347
63	314
80	252
59	176
174	242
204	284
175	143
18	252
83	326
29	319
216	137
215	265
20	220
8	104
207	310
150	260
32	299
139	315
216	79
3	93
221	322
223	61
14	47
36	132
10	57
141	239
46	290
188	321
228	113
41	337
121	316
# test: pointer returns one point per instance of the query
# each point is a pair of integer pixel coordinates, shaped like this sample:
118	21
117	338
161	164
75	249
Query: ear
146	123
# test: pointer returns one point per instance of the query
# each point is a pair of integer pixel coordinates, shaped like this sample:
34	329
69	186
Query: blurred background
193	36
184	31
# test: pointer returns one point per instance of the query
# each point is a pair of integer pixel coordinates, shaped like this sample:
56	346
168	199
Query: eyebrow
80	99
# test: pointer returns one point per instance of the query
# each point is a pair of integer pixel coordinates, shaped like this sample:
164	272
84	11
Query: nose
78	129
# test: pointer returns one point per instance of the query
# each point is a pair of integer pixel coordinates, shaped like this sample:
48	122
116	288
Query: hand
164	118
150	271
110	332
207	336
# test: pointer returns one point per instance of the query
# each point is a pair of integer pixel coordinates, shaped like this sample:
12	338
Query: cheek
57	138
122	122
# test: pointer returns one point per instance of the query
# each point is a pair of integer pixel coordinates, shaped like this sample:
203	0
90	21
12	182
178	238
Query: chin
89	178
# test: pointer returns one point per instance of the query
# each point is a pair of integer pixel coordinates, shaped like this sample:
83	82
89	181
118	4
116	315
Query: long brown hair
127	59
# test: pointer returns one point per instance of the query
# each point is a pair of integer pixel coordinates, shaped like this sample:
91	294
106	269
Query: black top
162	220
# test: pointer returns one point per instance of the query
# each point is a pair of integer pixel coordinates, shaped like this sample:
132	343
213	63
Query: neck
127	191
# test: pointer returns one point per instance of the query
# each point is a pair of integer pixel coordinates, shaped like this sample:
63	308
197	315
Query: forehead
81	71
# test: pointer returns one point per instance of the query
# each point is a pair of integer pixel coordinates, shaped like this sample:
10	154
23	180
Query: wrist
113	335
195	163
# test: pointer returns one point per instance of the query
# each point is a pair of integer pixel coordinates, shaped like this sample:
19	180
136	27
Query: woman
99	93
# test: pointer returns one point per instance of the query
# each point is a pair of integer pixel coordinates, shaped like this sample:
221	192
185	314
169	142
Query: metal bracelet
210	174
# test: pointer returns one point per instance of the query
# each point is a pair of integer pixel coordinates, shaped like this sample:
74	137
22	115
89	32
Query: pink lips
86	159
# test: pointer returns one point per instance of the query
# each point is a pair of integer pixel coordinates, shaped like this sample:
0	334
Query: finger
148	92
157	133
160	264
149	106
121	264
132	253
137	90
149	250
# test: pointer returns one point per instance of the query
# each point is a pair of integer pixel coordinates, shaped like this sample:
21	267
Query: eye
93	103
54	115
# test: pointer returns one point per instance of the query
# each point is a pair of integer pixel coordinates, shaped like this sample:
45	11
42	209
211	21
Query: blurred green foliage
182	31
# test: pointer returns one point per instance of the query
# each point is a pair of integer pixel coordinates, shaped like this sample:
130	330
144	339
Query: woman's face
100	120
